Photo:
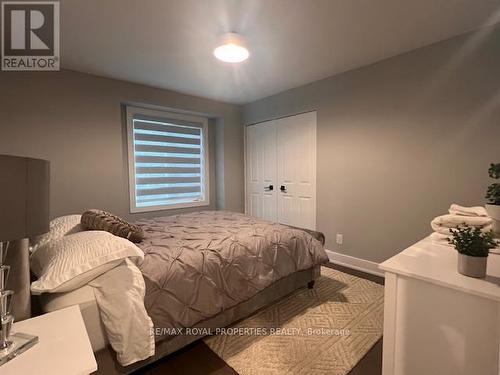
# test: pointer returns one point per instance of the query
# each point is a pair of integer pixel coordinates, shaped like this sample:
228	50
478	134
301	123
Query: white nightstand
63	347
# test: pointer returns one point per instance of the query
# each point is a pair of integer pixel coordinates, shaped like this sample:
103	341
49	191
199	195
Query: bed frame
106	359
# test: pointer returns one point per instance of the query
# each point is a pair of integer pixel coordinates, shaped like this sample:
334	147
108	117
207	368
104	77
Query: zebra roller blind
168	160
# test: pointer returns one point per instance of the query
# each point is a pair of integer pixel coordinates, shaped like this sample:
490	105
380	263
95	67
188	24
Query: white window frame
131	111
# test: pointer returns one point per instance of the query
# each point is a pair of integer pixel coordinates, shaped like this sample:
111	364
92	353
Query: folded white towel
446	231
454	221
456	209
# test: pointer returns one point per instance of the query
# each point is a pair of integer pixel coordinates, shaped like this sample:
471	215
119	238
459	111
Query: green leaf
472	241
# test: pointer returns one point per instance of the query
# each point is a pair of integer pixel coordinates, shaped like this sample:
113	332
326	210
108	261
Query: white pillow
73	260
59	227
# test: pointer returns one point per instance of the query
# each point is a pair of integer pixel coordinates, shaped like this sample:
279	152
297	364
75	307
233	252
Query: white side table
63	347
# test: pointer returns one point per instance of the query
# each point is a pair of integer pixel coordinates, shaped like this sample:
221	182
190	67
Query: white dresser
436	321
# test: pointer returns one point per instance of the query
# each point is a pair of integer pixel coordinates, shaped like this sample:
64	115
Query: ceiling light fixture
232	48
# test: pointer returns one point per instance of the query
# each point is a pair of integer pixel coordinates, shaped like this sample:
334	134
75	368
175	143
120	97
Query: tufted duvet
197	265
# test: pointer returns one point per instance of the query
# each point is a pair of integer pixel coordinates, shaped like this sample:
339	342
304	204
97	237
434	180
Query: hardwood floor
371	364
195	359
364	275
199	359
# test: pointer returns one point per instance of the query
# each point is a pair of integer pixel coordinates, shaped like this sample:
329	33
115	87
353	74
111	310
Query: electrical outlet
340	239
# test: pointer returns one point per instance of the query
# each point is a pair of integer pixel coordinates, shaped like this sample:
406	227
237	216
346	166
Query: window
168	160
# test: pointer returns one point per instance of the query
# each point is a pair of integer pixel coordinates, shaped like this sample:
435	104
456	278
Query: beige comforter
197	265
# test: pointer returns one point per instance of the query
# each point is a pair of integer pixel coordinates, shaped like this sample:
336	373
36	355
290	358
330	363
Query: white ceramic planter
472	266
494	212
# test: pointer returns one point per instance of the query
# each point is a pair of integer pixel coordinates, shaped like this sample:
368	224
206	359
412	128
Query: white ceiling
169	43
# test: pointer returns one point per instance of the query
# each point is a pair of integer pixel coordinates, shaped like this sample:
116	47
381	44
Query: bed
204	270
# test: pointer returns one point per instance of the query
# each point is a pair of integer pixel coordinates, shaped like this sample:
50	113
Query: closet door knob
283	188
269	188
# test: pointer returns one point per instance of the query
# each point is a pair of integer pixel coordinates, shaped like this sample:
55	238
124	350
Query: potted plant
473	246
493	196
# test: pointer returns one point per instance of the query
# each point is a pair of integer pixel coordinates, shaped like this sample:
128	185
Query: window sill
177	206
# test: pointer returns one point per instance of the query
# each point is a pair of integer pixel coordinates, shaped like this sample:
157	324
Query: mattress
199	264
85	299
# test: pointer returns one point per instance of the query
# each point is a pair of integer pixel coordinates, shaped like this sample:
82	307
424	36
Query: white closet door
261	171
296	161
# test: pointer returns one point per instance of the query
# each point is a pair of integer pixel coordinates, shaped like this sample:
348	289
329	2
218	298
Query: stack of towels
459	216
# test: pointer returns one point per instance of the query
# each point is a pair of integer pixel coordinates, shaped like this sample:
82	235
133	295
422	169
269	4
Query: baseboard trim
354	263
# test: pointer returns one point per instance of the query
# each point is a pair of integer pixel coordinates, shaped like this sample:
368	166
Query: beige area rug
325	330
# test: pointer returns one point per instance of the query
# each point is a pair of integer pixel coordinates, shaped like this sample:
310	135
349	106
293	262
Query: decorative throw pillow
102	220
72	261
59	227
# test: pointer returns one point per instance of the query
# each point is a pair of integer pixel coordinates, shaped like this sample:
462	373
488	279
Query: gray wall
76	121
400	140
